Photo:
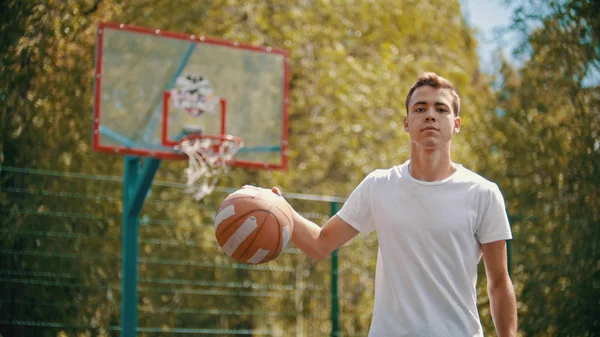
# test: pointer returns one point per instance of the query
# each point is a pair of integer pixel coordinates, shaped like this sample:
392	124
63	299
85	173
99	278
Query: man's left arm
503	303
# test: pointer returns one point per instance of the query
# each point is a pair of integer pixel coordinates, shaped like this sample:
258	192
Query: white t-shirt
429	246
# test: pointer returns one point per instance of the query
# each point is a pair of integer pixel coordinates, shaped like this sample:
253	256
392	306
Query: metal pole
129	252
335	303
509	246
509	256
136	183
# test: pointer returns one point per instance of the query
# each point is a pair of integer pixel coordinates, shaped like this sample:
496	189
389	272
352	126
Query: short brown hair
436	81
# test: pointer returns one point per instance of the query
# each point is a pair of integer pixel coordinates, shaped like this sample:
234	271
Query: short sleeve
357	210
494	225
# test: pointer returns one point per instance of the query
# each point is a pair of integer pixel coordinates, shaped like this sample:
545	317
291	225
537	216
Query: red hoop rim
222	138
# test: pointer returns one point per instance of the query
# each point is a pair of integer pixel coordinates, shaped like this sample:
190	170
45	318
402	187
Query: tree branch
93	8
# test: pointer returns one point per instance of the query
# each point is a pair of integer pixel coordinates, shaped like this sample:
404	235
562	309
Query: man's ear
406	124
457	124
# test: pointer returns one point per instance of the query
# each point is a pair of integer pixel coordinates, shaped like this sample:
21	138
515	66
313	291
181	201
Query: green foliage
549	132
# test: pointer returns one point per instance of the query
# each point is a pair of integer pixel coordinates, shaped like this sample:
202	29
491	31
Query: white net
208	157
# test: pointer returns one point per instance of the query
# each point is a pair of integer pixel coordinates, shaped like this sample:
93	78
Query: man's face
431	121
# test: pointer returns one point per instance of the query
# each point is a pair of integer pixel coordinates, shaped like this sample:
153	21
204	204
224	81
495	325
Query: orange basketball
253	225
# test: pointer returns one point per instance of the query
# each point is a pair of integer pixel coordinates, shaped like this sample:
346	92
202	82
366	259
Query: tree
548	127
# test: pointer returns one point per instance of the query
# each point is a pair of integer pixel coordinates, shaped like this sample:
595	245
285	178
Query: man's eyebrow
436	103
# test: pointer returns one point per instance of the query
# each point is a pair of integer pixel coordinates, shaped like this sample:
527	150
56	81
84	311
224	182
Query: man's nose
430	116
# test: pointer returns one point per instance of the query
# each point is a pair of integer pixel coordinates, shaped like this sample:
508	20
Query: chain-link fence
61	251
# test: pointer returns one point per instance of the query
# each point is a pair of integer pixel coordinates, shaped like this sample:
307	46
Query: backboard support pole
136	183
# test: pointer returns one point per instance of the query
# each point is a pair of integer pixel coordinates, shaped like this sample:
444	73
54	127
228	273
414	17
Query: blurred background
528	74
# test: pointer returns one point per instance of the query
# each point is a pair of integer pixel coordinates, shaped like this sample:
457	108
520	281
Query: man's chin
429	144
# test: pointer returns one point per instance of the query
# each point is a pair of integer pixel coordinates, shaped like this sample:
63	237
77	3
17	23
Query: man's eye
419	110
442	111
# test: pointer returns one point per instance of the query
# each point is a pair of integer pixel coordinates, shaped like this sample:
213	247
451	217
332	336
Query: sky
487	15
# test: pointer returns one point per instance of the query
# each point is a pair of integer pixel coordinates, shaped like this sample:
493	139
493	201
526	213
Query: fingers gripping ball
253	225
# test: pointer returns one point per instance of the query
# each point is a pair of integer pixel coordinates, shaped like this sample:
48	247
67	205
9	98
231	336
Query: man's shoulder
475	180
387	174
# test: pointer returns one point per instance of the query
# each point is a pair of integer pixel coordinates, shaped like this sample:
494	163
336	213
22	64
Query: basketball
253	225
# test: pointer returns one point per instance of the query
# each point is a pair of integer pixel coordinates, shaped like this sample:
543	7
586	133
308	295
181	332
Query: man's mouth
430	128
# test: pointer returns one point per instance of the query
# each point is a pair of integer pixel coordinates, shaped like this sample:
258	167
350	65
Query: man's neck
431	165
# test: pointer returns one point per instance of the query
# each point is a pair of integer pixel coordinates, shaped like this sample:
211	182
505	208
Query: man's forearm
503	305
306	237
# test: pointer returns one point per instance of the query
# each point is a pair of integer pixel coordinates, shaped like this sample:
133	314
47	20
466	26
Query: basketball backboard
153	86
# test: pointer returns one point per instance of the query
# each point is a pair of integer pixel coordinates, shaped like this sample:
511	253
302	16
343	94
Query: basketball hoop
208	157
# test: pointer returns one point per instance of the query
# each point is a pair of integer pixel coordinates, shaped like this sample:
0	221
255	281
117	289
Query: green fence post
509	256
136	183
509	244
335	303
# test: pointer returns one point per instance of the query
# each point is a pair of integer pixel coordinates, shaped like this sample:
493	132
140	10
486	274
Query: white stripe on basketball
258	256
240	235
246	191
285	233
224	214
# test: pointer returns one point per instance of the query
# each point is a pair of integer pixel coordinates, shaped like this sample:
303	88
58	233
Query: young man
434	220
